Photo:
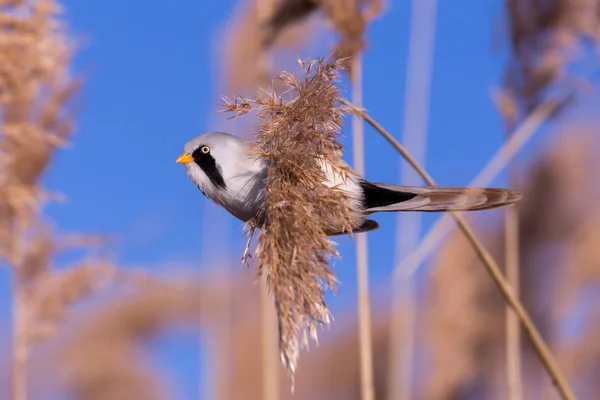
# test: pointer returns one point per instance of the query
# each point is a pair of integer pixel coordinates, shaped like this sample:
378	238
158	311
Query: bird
223	167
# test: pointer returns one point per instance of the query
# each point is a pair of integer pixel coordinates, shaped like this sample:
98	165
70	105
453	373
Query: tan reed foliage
463	323
462	314
295	136
545	36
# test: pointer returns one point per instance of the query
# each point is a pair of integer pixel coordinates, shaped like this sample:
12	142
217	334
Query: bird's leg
247	254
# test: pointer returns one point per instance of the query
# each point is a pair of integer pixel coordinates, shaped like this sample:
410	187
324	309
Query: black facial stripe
375	196
208	164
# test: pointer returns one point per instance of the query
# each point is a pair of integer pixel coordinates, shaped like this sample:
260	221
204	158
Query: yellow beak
184	159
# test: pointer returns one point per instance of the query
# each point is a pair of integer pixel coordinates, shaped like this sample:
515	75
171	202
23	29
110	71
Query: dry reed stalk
556	247
518	139
362	264
495	273
507	109
293	247
516	142
513	330
545	37
511	255
465	333
414	134
264	9
269	353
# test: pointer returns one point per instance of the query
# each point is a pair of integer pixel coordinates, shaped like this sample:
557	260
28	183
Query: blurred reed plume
545	37
35	88
348	17
296	135
287	25
241	51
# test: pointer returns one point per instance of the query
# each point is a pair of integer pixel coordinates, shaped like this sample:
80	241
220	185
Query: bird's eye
205	149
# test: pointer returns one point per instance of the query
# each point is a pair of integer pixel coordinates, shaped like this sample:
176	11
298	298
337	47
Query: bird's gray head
211	158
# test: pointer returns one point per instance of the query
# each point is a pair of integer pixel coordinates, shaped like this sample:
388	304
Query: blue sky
150	86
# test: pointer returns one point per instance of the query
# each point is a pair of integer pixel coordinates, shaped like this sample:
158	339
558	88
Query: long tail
380	197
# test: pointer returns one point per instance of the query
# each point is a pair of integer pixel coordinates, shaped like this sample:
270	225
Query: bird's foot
247	254
245	257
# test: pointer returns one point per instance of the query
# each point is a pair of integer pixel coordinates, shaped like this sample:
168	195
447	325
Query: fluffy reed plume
545	37
295	135
348	17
